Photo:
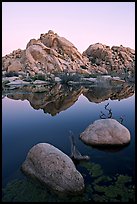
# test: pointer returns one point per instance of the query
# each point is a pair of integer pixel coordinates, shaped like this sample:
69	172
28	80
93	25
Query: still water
30	117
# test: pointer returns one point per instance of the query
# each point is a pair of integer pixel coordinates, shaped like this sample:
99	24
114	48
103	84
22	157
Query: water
30	118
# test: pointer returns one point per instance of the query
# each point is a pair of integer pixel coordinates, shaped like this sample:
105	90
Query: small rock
18	82
39	82
57	79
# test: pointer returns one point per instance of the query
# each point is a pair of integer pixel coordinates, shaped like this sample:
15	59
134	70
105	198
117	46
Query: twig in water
106	106
103	116
110	113
75	154
121	118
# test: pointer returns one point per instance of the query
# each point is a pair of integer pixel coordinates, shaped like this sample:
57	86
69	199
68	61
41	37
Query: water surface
29	118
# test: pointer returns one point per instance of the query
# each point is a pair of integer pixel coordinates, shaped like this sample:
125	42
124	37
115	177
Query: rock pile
49	54
54	54
105	59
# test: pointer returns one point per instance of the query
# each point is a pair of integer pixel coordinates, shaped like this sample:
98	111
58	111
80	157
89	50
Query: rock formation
49	54
53	168
106	132
53	54
116	59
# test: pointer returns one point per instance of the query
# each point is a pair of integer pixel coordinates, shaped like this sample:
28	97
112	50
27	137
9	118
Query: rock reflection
53	99
99	94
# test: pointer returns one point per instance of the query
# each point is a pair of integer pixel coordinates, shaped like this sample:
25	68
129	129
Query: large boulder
106	132
53	168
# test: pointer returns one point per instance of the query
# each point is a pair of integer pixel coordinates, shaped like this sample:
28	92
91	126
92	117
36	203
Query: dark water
30	118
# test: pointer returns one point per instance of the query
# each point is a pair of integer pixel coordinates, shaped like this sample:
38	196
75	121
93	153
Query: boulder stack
54	54
49	54
116	59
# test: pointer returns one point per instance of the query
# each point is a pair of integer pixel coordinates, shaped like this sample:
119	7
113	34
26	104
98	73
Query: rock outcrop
106	132
118	59
49	54
53	168
53	54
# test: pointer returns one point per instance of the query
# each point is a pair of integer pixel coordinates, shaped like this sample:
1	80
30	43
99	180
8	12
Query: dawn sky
82	23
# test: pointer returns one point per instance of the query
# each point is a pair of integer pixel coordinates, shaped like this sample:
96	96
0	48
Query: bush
39	77
66	77
83	67
94	75
11	74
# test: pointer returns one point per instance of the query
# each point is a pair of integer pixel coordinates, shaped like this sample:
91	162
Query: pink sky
82	23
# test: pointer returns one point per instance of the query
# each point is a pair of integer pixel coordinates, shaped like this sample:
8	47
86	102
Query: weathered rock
10	78
18	82
106	132
57	79
15	66
39	82
90	79
50	53
53	168
118	58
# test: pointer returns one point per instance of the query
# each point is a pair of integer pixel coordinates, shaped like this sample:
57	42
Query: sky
82	23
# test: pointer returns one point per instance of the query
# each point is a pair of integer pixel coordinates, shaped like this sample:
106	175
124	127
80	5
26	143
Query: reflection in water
99	94
23	127
109	148
54	99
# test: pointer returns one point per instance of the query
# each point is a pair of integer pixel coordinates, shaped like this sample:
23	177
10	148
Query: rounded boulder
106	132
53	168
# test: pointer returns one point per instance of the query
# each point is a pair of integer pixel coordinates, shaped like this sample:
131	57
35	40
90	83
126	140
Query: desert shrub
39	77
93	60
11	74
83	67
94	75
66	77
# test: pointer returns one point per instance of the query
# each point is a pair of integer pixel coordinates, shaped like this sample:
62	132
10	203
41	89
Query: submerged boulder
106	132
53	168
